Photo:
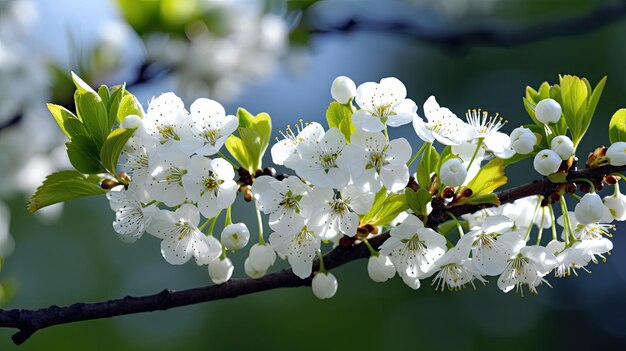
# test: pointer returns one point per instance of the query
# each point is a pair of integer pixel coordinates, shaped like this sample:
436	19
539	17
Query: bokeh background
281	58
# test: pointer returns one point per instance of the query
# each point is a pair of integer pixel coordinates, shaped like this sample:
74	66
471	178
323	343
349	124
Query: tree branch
30	321
489	34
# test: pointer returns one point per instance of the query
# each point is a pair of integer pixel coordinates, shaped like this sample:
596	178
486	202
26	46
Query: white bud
235	236
380	268
617	154
548	111
251	271
591	209
547	162
343	89
261	257
324	285
523	140
563	146
131	121
220	270
617	206
452	172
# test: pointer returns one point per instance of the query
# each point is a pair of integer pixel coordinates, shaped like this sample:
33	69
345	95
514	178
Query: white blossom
318	160
300	248
486	128
260	259
165	180
235	236
324	285
616	205
220	270
131	218
210	183
591	209
547	162
548	111
528	267
382	104
168	122
211	125
375	162
380	268
452	172
441	125
181	237
616	153
523	140
343	89
284	152
563	146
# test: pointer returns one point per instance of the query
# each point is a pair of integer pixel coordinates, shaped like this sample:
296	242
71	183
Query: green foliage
92	111
112	148
67	121
340	116
385	208
254	136
617	126
84	154
558	178
63	186
417	200
579	102
489	178
428	165
129	105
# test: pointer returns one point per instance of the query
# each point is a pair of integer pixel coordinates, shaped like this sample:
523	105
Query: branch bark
30	321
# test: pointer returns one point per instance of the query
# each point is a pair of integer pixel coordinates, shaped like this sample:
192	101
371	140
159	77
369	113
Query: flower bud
261	257
548	111
380	268
617	206
617	154
563	146
343	89
235	236
251	271
547	162
452	172
324	285
131	121
220	270
590	209
523	140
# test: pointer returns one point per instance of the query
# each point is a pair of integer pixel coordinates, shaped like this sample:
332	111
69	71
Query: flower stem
459	227
369	246
213	222
478	145
228	220
419	152
543	217
322	268
386	133
566	223
553	222
260	223
532	220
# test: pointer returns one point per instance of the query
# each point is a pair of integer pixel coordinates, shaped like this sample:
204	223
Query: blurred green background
79	258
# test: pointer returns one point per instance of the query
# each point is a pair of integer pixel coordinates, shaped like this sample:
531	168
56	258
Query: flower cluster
353	184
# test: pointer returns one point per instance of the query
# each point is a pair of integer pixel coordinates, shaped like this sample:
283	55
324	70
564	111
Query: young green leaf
84	155
385	208
81	86
340	116
617	126
63	186
428	165
61	116
489	178
417	200
93	112
254	137
113	146
574	96
129	105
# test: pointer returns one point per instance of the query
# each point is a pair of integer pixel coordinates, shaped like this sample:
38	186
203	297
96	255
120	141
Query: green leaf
490	198
417	200
428	165
574	96
81	86
129	105
558	178
61	116
340	116
489	178
84	155
112	148
63	186
385	208
254	138
103	92
93	113
617	126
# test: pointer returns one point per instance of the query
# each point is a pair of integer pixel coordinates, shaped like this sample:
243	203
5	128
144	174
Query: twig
30	321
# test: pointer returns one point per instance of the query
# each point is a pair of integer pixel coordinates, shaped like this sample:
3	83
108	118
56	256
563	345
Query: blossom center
168	132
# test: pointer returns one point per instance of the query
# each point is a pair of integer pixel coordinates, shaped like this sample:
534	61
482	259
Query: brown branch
30	321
